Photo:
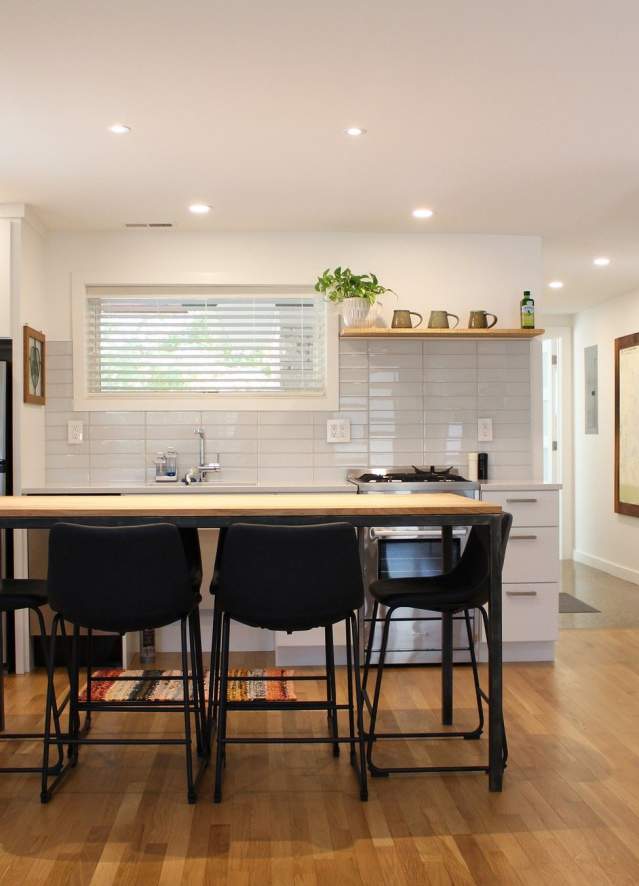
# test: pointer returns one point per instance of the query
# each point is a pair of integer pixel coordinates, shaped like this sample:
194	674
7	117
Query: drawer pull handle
521	593
526	537
517	501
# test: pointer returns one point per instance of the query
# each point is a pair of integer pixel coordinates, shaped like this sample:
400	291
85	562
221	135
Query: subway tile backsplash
408	403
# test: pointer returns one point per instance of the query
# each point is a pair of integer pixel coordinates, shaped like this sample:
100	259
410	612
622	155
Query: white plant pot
355	311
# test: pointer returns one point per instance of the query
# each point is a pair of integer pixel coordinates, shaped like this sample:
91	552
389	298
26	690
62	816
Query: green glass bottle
527	311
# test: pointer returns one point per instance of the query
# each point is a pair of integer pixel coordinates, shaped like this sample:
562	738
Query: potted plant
355	292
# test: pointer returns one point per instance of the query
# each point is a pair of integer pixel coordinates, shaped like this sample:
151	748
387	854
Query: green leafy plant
343	283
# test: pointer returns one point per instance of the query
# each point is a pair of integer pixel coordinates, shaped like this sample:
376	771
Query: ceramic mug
402	320
479	320
439	320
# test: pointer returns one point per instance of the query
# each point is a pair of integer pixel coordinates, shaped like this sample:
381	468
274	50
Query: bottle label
528	316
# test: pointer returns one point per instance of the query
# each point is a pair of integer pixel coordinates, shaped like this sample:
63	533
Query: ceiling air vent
148	225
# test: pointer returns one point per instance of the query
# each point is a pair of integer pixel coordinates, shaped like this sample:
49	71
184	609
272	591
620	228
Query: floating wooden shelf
425	332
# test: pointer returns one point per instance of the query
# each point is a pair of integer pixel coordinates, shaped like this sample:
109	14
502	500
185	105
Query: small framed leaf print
34	365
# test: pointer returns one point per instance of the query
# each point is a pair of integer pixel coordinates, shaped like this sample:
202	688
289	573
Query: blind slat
236	343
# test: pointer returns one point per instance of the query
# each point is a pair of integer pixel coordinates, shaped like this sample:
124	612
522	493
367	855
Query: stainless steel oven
402	552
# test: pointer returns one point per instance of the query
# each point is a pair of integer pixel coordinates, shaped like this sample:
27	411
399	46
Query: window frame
83	400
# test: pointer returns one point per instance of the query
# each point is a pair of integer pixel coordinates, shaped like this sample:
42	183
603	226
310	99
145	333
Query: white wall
603	539
457	272
5	278
29	419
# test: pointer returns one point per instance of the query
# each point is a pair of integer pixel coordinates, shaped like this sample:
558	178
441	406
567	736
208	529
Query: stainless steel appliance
396	552
6	540
4	422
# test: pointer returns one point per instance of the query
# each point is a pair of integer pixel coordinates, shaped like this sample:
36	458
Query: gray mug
402	320
479	320
439	320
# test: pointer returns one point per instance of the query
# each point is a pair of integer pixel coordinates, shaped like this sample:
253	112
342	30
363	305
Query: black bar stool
464	588
191	543
292	578
215	656
121	579
31	594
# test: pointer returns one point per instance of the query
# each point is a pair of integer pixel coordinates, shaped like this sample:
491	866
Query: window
205	343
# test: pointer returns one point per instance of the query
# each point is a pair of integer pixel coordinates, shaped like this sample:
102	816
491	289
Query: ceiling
502	117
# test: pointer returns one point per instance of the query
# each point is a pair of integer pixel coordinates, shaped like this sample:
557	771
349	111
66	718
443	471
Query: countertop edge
181	489
527	487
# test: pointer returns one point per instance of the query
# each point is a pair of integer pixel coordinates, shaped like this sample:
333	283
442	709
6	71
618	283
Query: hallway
618	600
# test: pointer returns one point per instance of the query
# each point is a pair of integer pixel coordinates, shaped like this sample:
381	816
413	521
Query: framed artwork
34	366
627	425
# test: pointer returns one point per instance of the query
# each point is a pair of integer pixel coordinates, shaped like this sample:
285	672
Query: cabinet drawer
532	555
528	508
530	612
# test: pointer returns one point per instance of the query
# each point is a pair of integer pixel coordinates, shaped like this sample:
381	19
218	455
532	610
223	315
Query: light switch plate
338	430
484	430
75	432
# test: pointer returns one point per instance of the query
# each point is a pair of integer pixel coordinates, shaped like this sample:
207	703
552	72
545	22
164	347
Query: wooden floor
569	812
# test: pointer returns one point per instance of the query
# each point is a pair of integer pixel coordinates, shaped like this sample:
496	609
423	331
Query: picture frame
33	366
627	425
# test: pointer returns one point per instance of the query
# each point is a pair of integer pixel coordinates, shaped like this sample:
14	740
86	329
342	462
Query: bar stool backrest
473	568
290	578
191	544
122	578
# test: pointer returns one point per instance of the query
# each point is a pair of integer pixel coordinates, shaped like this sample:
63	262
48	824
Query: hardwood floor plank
569	812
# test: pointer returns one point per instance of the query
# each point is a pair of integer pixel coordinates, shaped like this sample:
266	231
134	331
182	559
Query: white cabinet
529	612
532	554
530	601
528	507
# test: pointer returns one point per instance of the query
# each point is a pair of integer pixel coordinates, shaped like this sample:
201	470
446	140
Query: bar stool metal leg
369	647
359	696
222	703
198	684
485	619
26	736
194	690
212	709
378	688
191	794
473	659
50	705
331	696
349	683
74	716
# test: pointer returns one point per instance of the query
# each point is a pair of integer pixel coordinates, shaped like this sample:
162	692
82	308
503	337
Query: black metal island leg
495	677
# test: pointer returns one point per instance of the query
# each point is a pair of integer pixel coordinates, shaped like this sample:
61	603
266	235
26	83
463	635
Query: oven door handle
389	534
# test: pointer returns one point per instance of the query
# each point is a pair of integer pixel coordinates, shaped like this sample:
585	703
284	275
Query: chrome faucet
200	433
198	474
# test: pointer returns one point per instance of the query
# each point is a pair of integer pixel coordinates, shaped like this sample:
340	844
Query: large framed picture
627	425
34	366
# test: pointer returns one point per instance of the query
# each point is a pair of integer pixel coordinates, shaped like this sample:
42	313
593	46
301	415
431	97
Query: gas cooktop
412	475
409	479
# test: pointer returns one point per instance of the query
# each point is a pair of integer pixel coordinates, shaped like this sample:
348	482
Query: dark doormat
570	603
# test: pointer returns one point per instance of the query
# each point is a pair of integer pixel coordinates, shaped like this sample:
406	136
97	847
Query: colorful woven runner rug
147	686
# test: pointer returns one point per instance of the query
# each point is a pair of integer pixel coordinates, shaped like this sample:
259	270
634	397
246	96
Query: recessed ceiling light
422	213
199	208
355	130
120	128
601	261
556	284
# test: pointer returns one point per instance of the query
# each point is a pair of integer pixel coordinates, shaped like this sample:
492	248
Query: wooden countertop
314	504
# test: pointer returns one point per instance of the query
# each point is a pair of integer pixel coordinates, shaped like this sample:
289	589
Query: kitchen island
218	511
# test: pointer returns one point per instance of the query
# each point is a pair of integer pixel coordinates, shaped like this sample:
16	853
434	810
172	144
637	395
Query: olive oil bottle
527	311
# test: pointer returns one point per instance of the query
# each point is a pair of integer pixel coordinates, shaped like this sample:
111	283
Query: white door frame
562	332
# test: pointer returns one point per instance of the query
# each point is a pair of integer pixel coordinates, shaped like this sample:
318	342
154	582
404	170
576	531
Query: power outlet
338	430
75	432
484	430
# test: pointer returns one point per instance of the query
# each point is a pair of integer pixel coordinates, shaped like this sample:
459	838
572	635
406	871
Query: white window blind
205	344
